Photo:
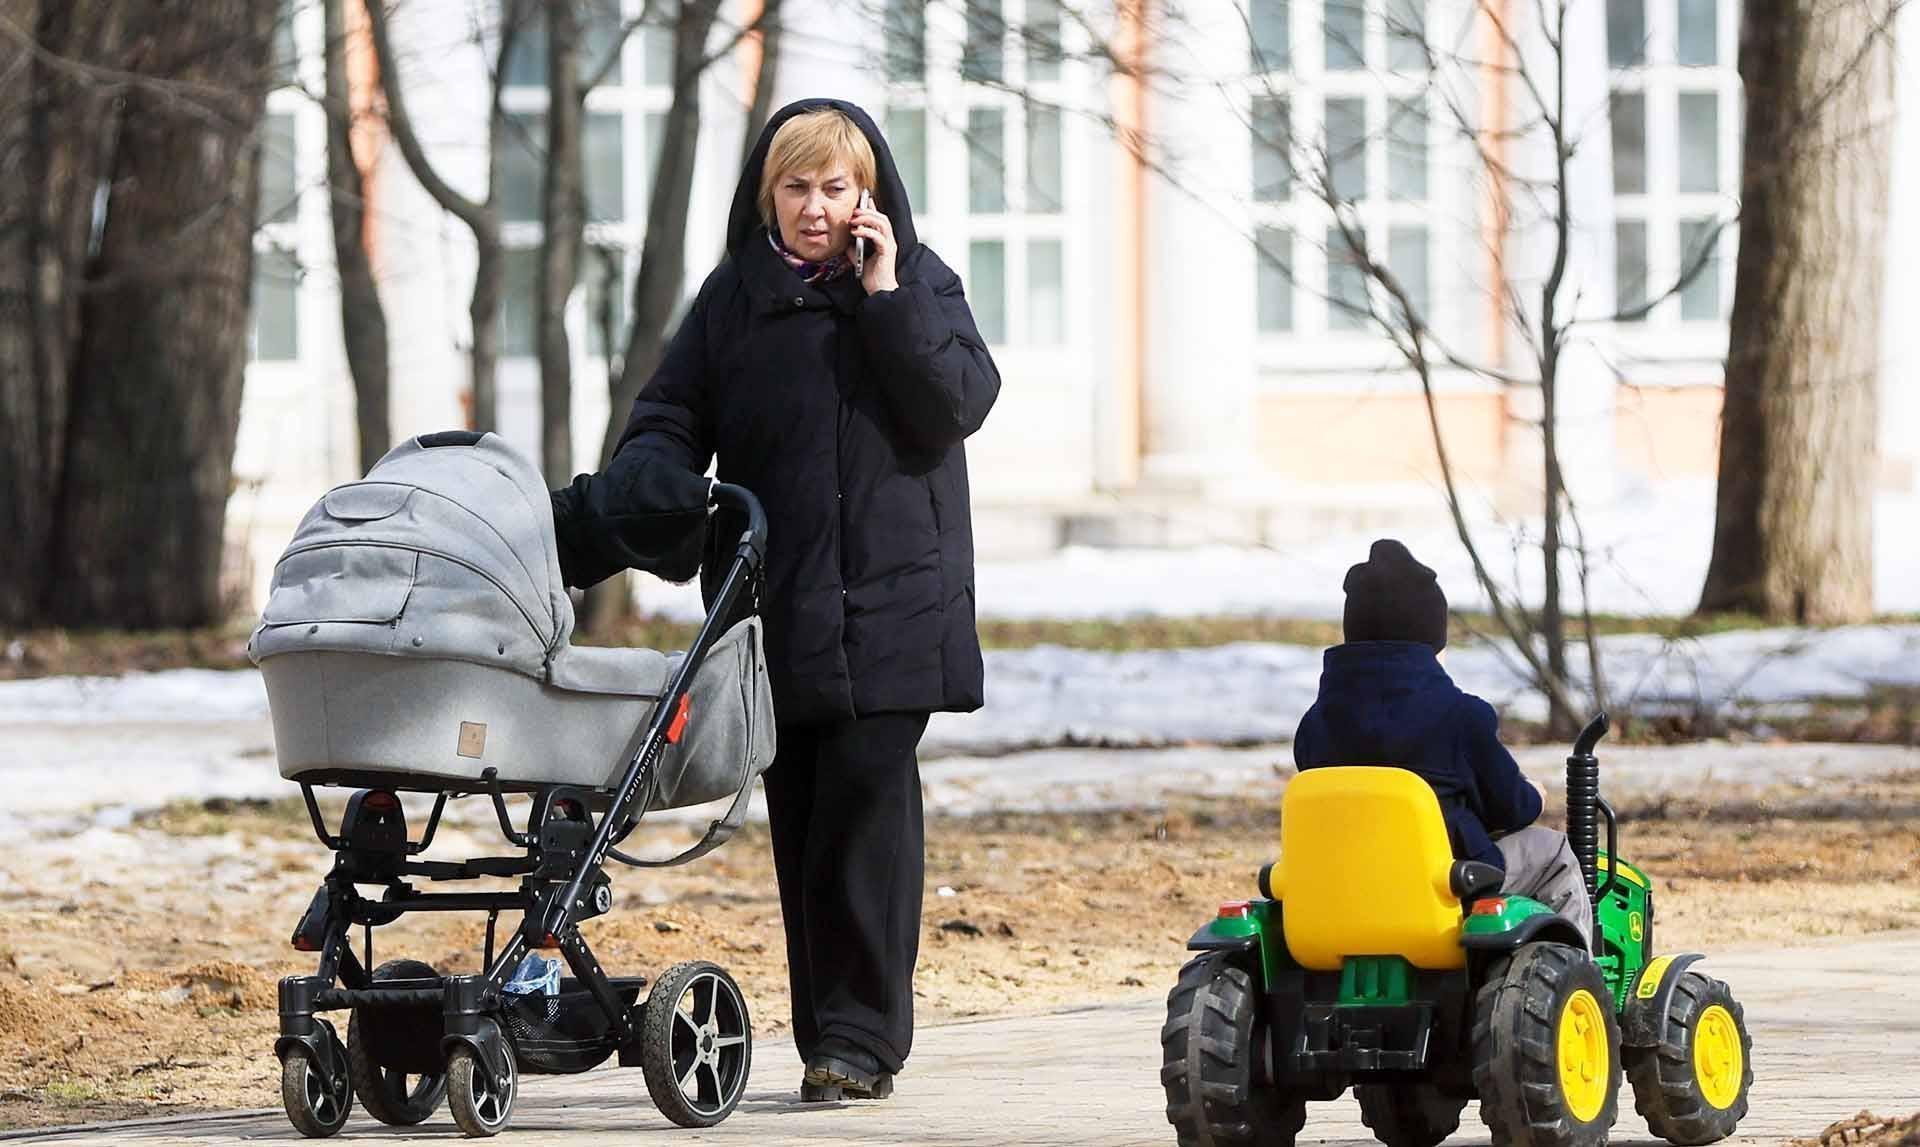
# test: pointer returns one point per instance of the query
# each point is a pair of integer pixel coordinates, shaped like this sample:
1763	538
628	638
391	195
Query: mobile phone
860	245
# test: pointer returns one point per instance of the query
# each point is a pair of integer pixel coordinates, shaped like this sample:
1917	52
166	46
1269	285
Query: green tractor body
1525	1019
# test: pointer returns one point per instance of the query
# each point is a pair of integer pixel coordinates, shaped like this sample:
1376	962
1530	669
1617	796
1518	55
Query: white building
1163	383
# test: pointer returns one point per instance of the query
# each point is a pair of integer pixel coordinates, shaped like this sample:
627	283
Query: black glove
643	513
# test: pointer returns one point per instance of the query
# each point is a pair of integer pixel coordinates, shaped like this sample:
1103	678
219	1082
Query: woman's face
813	209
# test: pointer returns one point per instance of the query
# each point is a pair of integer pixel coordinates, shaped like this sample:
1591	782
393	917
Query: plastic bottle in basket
536	975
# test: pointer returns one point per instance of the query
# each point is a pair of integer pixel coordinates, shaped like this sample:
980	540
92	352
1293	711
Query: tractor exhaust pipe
1583	812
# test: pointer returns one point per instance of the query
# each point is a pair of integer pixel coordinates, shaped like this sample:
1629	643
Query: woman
840	398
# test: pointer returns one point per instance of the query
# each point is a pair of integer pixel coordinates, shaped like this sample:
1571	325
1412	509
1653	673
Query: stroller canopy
455	532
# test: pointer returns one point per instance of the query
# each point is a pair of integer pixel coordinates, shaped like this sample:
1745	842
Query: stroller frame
563	882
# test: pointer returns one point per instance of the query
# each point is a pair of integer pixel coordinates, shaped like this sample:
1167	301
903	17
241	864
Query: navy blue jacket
1390	703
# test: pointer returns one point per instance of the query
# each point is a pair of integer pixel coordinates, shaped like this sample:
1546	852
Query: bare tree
766	77
157	381
139	158
1793	532
363	320
663	253
563	217
481	216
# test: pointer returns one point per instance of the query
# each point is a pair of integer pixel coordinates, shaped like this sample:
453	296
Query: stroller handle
753	543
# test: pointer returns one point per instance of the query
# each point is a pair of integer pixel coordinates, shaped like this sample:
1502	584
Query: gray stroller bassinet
417	637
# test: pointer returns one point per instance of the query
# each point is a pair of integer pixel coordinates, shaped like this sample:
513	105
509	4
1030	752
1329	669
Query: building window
656	41
286	52
1406	22
907	136
602	38
1043	160
519	302
905	33
1407	263
1272	149
523	167
603	166
1406	151
1675	140
1699	141
603	271
1700	294
1630	268
1698	36
279	170
1629	115
1344	35
986	161
275	336
982	57
1366	108
1042	35
1626	33
1346	285
987	287
1271	39
1046	293
1347	149
1273	279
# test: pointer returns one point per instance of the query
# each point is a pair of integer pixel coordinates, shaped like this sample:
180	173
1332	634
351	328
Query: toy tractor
1375	960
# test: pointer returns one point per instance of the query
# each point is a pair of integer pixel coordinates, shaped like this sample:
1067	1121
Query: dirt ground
137	964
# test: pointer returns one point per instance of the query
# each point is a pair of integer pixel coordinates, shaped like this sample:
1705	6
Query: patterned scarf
809	271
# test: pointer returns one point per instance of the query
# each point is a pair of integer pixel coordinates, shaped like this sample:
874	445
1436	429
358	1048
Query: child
1385	700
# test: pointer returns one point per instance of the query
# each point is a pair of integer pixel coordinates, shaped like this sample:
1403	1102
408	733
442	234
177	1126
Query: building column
1197	427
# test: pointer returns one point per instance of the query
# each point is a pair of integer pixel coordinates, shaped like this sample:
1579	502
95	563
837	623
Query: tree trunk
483	314
56	135
1793	531
563	217
162	354
663	260
363	321
765	79
482	217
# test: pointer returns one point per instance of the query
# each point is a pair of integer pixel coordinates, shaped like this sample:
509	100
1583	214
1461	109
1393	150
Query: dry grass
148	987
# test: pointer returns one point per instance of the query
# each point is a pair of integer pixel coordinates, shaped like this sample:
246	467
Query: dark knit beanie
1391	597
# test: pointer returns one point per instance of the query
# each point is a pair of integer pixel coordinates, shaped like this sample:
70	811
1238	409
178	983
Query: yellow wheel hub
1719	1062
1585	1058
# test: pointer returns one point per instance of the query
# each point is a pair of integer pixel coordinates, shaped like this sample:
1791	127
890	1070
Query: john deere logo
1634	928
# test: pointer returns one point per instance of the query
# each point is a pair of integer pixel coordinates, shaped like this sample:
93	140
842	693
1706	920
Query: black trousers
843	801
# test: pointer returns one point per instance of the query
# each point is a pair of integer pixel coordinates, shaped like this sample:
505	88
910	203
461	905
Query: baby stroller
416	639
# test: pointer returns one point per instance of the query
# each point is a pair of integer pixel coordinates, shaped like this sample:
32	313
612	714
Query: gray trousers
1541	864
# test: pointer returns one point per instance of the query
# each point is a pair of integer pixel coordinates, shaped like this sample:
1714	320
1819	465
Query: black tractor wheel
481	1104
316	1096
1546	1050
1408	1115
1213	1049
1692	1088
393	1097
696	1044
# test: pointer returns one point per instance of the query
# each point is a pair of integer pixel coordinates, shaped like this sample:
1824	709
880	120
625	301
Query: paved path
1836	1028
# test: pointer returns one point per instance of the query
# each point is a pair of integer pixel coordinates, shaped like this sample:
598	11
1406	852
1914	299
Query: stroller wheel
696	1044
481	1105
394	1097
316	1101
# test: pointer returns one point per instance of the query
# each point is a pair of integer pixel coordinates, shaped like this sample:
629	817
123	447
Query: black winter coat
844	413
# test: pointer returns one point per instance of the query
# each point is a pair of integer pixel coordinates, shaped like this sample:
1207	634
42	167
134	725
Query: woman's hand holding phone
874	246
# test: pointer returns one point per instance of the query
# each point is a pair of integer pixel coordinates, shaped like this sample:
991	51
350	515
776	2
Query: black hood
890	195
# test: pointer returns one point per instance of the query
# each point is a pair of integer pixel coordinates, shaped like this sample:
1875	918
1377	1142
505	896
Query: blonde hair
815	141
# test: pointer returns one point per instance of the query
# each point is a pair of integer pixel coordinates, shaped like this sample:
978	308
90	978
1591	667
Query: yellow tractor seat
1364	870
